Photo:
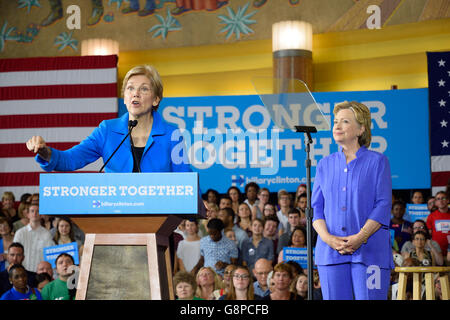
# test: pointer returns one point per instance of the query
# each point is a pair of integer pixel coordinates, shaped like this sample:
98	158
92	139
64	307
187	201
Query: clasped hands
345	245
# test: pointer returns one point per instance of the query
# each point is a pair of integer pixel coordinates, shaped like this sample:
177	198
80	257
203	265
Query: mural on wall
57	27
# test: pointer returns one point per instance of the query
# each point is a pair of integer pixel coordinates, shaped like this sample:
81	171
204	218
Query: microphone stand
131	125
308	211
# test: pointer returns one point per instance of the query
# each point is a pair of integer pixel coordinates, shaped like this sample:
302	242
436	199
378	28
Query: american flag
61	99
439	104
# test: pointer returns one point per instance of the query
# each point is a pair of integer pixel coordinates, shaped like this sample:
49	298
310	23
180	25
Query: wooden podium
125	255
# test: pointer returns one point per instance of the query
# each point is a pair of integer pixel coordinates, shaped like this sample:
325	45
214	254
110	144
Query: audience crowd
239	252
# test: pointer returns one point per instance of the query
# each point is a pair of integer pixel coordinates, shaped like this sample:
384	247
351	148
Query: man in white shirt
34	238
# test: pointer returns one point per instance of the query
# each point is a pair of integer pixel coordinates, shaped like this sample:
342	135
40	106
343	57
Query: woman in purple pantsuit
352	200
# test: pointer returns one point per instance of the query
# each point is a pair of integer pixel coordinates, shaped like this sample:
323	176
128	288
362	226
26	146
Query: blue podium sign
118	193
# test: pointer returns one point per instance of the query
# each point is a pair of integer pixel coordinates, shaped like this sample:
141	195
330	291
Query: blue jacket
162	153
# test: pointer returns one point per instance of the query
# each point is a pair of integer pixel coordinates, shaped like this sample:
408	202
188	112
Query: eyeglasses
419	227
262	273
241	276
443	198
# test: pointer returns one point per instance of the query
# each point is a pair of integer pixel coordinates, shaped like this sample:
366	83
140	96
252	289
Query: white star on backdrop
443	123
441	83
442	103
441	63
444	144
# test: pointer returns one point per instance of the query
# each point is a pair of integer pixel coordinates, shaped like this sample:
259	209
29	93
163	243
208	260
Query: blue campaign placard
118	193
234	137
51	253
416	212
299	255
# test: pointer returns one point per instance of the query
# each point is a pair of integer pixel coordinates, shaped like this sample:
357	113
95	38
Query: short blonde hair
8	195
362	116
152	74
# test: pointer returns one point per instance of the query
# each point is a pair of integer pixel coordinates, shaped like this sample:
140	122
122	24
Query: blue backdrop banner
231	140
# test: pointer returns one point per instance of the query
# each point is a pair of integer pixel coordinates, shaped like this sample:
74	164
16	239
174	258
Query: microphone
131	125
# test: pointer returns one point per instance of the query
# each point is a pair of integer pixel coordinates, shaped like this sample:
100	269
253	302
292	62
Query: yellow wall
343	61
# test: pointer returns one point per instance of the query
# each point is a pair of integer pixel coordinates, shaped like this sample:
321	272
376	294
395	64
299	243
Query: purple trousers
354	281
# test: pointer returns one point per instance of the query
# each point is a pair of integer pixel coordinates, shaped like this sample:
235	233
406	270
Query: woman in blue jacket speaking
154	146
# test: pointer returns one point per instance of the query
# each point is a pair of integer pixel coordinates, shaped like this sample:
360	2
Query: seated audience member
34	238
58	289
282	277
208	281
45	267
251	194
20	289
216	250
6	238
299	286
227	217
8	210
419	252
261	272
15	256
241	285
42	279
293	222
244	221
188	251
402	228
430	245
297	240
235	195
185	286
439	220
225	287
263	199
257	246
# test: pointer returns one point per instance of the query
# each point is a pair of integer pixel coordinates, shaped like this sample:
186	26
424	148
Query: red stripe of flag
60	63
67	91
16	150
15	179
440	179
54	120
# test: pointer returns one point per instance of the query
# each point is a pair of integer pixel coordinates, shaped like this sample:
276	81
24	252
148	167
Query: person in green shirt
57	289
185	286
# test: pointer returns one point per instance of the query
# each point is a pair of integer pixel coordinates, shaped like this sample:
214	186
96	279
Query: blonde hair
152	74
362	116
217	280
8	195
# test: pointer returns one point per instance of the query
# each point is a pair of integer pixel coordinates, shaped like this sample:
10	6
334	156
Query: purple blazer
345	196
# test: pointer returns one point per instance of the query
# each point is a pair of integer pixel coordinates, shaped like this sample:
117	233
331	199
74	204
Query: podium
127	219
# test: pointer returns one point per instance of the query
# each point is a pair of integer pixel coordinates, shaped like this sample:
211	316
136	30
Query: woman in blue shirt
351	200
20	289
153	147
